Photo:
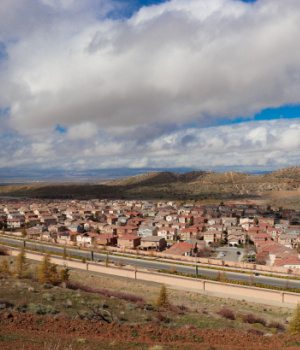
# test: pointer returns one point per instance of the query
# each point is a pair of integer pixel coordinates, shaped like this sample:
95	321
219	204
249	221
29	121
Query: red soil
26	331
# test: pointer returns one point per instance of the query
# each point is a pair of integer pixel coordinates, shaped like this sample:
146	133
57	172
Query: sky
159	84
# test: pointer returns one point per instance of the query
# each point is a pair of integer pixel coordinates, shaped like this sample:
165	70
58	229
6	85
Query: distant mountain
173	185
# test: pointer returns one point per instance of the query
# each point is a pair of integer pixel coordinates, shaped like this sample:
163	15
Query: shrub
48	297
107	293
162	299
294	327
6	303
161	317
251	319
172	269
40	309
277	325
226	313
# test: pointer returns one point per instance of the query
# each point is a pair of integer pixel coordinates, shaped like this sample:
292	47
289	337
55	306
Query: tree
4	268
64	274
294	326
48	271
24	233
21	264
162	299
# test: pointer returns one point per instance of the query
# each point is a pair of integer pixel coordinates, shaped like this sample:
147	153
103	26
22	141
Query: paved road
158	264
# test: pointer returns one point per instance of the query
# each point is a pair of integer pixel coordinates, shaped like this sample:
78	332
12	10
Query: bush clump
48	297
279	326
251	319
40	309
6	304
226	313
107	293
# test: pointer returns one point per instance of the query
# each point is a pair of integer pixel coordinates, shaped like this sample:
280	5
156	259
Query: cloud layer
145	90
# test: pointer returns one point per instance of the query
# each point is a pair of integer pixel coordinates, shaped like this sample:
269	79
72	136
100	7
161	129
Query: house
146	231
215	227
189	233
15	223
262	237
229	222
211	237
172	218
126	230
291	262
67	236
153	242
87	238
290	241
107	239
268	221
48	220
185	219
33	232
273	250
181	248
169	233
111	220
129	241
274	232
198	219
234	239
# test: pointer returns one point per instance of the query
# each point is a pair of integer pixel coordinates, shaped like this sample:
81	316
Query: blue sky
118	83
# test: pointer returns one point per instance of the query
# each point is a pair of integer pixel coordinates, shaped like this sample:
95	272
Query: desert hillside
196	185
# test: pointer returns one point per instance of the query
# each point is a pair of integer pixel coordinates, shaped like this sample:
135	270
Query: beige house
129	241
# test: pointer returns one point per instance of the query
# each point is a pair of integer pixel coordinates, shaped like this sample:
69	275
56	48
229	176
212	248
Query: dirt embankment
26	331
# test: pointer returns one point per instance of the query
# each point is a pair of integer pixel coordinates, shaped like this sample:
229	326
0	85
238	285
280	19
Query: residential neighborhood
176	228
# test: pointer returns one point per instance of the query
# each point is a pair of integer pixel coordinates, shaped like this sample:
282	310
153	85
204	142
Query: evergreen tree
4	268
162	299
64	274
48	271
21	265
294	327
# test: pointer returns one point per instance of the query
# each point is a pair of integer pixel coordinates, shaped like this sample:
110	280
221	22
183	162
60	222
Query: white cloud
126	89
82	131
247	145
179	62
